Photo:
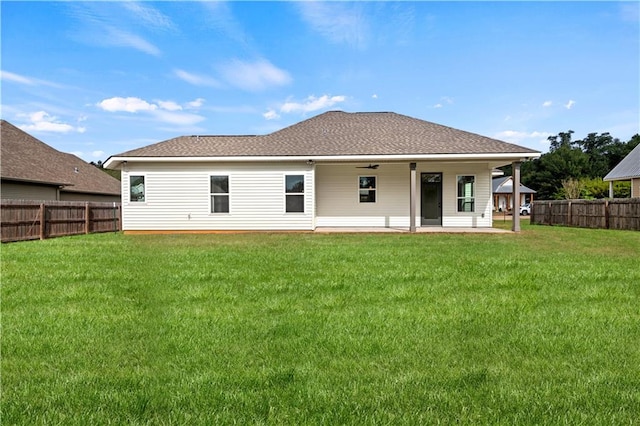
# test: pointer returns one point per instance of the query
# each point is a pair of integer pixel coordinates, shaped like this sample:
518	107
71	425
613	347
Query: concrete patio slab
423	230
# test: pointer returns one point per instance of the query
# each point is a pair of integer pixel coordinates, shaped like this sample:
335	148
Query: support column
412	198
611	189
515	212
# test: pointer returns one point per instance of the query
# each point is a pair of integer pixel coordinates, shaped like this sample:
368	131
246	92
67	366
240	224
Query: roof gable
628	168
337	133
27	159
504	185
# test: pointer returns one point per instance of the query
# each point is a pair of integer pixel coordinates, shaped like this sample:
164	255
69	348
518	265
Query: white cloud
547	104
196	103
102	24
195	79
42	121
169	105
518	137
29	81
271	115
437	106
219	16
338	22
97	154
165	111
374	96
124	38
312	104
570	104
148	15
129	104
254	76
16	78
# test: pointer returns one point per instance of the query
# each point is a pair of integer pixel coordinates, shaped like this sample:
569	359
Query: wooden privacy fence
31	220
619	213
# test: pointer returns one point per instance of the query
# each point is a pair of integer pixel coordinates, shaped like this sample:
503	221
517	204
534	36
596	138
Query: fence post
42	221
569	214
606	214
120	217
87	222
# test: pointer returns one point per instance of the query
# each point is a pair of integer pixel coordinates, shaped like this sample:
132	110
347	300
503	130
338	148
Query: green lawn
542	327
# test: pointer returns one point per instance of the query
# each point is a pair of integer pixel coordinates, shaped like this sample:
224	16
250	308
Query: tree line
575	168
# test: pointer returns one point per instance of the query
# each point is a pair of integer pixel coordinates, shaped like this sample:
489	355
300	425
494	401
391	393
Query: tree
587	160
563	161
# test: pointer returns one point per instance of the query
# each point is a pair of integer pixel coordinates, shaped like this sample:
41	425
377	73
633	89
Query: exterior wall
482	216
338	203
26	191
96	198
635	187
177	197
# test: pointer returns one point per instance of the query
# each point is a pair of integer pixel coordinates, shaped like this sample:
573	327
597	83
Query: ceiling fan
370	166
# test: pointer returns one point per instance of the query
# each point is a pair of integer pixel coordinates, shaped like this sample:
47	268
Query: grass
542	327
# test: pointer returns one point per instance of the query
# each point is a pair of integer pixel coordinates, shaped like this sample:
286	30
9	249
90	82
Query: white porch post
412	198
515	212
611	189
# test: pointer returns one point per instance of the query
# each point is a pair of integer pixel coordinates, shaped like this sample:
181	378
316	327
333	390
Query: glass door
431	199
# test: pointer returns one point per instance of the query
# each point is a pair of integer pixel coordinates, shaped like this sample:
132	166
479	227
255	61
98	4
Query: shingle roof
628	168
337	133
504	185
25	158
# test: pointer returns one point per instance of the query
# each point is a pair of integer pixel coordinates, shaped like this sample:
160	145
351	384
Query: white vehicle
525	209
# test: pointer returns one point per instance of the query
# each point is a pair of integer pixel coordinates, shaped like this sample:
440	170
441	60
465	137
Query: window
219	194
136	189
466	193
294	193
367	189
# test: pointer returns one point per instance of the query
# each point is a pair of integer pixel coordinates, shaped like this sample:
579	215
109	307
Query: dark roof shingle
25	158
337	133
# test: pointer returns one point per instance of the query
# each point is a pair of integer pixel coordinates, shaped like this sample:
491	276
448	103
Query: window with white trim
219	194
367	189
294	193
466	193
136	189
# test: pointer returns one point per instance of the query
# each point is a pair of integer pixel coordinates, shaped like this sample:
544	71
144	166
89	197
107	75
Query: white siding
481	217
338	203
177	197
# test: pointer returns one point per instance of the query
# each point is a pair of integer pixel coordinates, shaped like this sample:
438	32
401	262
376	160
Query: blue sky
100	78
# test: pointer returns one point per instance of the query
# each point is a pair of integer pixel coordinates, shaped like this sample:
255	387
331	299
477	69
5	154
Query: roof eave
38	182
616	178
117	161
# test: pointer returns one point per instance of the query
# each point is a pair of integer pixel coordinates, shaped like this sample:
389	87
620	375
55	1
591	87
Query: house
627	169
503	191
32	170
336	169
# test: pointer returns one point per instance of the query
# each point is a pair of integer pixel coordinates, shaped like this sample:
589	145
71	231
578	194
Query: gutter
116	161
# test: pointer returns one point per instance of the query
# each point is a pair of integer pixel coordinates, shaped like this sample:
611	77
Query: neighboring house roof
628	168
336	134
504	185
27	159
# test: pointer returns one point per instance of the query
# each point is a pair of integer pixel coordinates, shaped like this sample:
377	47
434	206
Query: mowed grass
542	327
